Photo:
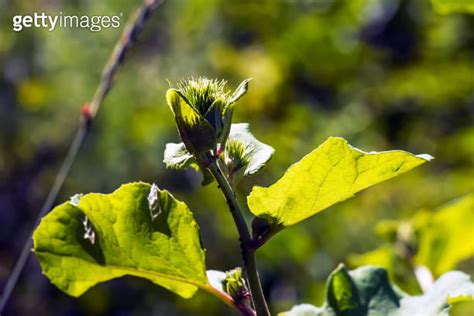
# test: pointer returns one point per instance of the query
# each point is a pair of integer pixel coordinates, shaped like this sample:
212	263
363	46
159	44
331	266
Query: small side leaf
240	91
178	157
227	123
138	230
229	110
332	173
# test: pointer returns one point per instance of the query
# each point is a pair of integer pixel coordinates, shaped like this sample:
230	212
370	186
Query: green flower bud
234	285
203	113
243	154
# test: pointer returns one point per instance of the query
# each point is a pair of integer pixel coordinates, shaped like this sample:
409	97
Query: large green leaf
367	291
453	6
332	173
137	230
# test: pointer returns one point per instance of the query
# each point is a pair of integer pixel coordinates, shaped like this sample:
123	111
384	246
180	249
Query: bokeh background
391	74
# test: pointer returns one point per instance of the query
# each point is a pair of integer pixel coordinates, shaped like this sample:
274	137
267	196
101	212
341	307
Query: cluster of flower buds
203	111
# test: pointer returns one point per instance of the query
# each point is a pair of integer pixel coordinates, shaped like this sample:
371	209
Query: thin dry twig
88	112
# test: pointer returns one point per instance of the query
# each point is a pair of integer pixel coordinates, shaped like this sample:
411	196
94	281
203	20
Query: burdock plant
144	231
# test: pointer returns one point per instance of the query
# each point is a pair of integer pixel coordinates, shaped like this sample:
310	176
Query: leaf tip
426	157
75	199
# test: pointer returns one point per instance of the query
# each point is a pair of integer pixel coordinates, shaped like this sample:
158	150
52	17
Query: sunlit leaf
332	173
137	230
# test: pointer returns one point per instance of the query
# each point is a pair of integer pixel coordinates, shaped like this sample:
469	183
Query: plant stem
248	254
88	113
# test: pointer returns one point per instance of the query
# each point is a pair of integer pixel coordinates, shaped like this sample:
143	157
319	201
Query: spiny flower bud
243	154
203	112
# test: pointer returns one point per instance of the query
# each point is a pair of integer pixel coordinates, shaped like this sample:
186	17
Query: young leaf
227	123
240	91
367	291
177	157
332	173
453	6
137	230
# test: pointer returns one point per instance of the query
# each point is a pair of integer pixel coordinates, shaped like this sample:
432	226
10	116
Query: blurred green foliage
382	74
451	6
439	240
